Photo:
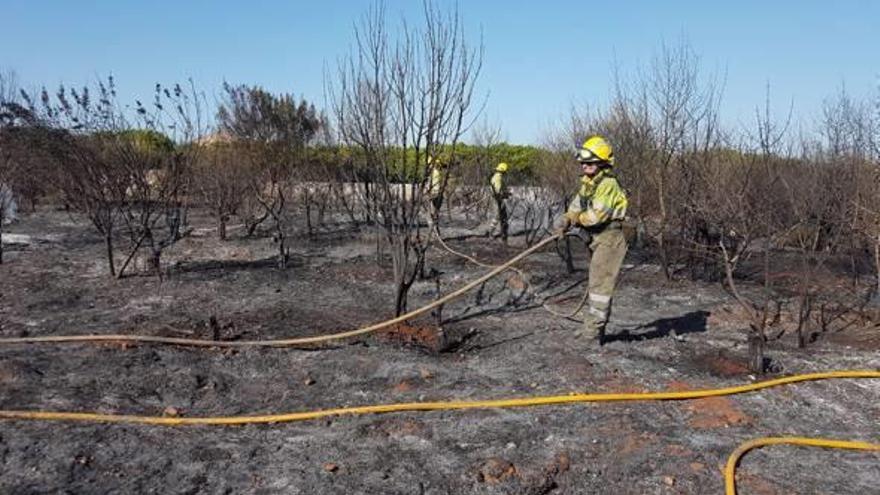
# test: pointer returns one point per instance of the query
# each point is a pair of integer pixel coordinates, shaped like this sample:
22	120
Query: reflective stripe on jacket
599	200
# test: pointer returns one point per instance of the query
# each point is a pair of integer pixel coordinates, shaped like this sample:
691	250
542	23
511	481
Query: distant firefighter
500	193
437	170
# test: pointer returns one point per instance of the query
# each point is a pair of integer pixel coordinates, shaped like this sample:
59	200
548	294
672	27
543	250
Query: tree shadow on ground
693	322
460	346
233	265
517	302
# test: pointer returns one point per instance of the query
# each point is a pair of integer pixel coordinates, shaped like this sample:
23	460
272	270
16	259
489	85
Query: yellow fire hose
428	406
438	405
730	468
729	472
281	342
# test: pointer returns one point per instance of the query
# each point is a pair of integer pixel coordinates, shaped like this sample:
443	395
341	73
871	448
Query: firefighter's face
589	169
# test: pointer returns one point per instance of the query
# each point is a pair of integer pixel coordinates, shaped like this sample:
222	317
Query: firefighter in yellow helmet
500	193
599	210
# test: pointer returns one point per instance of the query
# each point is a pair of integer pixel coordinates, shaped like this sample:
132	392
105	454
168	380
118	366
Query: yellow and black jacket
599	201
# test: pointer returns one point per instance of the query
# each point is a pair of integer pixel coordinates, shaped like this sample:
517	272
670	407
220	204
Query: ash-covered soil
497	343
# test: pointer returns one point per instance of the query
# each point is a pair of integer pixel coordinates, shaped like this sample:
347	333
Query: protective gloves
572	216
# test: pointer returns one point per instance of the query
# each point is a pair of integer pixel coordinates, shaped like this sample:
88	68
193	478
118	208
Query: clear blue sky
540	57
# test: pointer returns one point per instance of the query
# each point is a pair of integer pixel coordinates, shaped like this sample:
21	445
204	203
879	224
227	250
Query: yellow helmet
502	167
596	149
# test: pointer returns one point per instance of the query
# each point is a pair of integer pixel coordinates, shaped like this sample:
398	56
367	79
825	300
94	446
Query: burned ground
494	344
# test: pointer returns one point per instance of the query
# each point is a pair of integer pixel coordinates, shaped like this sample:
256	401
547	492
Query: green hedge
521	159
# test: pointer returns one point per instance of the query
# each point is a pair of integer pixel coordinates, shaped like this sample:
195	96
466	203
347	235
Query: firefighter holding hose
598	209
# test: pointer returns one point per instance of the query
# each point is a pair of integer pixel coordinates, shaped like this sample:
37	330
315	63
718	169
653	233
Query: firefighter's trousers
608	249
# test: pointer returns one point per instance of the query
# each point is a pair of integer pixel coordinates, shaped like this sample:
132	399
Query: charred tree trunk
308	205
221	227
877	265
399	261
131	255
108	242
405	273
437	313
322	208
803	320
661	237
756	352
255	222
283	252
154	261
347	205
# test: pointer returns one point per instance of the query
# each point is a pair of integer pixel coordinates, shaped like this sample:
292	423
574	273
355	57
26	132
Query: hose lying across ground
730	468
438	405
302	341
282	342
729	472
485	404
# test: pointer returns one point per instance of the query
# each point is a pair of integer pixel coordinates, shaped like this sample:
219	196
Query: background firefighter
599	210
500	193
436	173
